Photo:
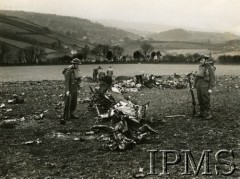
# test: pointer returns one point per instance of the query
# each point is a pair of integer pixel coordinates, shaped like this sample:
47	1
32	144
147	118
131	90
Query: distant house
73	52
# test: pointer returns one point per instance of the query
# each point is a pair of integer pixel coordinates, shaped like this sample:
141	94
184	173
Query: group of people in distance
203	83
99	73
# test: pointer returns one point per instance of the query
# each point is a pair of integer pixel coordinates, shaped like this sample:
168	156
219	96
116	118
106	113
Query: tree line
28	55
227	59
105	54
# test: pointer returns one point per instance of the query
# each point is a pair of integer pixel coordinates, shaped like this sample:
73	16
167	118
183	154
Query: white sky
203	15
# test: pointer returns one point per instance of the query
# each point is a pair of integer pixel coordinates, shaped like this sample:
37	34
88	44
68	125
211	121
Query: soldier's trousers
139	79
203	99
95	80
70	103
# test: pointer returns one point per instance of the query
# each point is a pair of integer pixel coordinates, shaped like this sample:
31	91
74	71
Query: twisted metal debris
126	125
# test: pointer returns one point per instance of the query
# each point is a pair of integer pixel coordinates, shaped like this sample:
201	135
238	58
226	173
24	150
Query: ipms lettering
190	165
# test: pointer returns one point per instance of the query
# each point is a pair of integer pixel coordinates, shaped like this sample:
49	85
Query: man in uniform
72	85
101	74
95	74
110	72
204	82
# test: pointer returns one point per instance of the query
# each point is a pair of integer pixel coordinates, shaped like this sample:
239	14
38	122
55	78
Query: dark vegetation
227	59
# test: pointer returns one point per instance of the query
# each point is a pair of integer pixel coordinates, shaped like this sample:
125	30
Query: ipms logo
223	164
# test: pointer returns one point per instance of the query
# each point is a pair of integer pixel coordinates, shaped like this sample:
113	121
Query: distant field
187	51
215	54
178	45
20	44
9	28
33	73
226	53
26	29
167	50
14	42
40	38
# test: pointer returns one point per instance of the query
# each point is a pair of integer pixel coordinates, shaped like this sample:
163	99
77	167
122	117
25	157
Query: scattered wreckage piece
177	115
2	106
11	123
16	100
37	141
135	84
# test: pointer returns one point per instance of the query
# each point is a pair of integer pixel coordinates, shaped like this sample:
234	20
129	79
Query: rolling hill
18	34
75	28
193	36
57	35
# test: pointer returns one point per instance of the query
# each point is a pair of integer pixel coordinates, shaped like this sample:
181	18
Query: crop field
9	28
178	45
15	42
20	44
41	147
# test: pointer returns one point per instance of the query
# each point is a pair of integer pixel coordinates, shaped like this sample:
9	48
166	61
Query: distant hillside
25	31
18	35
57	36
141	29
77	28
193	36
32	38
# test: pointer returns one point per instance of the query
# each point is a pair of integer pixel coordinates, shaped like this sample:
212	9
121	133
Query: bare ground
66	152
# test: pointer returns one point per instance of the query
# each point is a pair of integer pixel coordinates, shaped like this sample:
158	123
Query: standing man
101	74
95	74
204	82
110	72
72	85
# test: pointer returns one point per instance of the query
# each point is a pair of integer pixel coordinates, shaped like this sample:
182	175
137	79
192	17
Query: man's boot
208	115
199	115
62	121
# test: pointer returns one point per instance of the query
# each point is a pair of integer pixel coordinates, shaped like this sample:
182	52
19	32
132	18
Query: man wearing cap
72	84
204	82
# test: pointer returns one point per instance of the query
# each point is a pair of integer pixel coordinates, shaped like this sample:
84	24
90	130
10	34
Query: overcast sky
203	15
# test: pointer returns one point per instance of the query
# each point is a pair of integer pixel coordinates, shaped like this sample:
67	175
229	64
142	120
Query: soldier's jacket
72	78
205	76
110	72
101	74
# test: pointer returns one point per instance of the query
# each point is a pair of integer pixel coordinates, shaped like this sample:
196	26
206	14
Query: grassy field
54	72
58	155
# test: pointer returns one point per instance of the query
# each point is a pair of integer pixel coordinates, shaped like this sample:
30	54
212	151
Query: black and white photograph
119	89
